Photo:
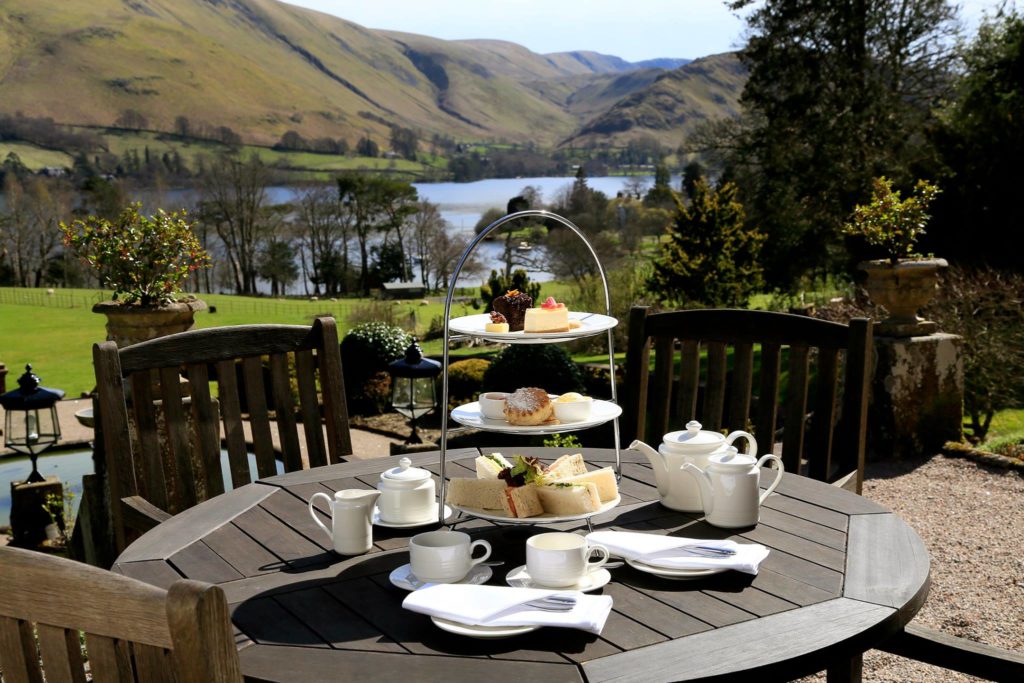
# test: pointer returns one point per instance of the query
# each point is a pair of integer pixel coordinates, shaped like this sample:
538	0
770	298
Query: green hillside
672	105
262	68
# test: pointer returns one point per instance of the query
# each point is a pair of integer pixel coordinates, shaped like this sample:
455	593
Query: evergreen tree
838	93
661	194
711	258
983	144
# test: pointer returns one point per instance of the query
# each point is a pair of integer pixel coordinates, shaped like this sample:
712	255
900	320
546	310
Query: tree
838	93
428	226
325	235
661	194
404	142
367	148
182	126
374	205
692	172
131	118
711	258
983	144
234	194
277	265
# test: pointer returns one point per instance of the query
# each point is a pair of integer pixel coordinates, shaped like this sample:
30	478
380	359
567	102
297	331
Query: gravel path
970	518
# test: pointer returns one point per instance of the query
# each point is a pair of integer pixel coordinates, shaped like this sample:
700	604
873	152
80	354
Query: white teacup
444	556
561	559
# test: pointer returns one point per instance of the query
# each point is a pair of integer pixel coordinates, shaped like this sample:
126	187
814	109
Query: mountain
671	105
263	67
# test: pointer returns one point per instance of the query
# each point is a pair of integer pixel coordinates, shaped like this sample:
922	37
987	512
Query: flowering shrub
892	223
143	259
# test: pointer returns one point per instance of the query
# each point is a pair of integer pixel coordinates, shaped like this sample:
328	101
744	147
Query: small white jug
729	487
351	519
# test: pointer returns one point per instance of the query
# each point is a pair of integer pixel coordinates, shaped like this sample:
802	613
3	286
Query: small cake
513	304
528	406
498	323
551	316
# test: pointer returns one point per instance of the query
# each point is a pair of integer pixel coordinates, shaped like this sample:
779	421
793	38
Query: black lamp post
413	392
31	424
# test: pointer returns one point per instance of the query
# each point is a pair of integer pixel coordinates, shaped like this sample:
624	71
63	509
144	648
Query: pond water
69	467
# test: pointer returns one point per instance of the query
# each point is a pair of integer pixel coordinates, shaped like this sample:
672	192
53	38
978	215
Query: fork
552	603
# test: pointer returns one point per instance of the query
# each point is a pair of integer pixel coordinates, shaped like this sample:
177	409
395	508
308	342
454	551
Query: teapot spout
658	463
707	498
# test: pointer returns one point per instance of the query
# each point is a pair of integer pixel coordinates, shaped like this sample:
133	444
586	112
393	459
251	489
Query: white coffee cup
560	559
444	556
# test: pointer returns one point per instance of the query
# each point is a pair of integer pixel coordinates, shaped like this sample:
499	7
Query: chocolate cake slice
513	305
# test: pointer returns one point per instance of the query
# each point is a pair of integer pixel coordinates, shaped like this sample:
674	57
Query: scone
528	406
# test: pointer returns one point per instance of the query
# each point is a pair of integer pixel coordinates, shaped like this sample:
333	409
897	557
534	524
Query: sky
634	30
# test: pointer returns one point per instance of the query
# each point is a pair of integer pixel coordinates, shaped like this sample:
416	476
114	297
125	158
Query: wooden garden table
843	573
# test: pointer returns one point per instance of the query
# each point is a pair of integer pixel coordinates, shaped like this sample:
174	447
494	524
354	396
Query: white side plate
667	573
393	525
481	631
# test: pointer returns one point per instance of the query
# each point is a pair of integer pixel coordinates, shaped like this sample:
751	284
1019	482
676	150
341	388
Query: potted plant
145	260
904	281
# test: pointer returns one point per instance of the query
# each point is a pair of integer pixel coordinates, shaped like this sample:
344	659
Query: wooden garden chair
824	424
163	444
133	631
823	432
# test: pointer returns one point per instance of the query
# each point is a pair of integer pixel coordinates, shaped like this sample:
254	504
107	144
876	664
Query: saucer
407	525
402	577
520	578
681	574
481	631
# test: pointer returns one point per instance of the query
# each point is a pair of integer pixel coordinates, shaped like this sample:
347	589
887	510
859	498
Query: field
55	333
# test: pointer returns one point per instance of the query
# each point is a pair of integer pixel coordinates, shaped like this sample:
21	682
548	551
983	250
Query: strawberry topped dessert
551	316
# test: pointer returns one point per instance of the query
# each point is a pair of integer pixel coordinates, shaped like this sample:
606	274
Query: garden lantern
31	425
413	392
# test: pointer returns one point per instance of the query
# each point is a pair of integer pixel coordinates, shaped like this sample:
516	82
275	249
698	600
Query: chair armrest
141	515
957	654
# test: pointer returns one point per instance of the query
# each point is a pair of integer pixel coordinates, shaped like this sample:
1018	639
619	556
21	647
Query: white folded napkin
658	550
501	606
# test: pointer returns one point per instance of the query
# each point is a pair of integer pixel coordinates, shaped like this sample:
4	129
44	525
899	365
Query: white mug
444	556
561	559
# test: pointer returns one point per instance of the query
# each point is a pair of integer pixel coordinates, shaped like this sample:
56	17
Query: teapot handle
312	512
779	469
751	448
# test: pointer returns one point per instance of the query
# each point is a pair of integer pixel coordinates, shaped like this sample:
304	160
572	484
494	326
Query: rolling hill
263	67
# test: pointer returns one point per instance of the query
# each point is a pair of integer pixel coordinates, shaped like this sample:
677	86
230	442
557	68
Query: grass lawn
56	333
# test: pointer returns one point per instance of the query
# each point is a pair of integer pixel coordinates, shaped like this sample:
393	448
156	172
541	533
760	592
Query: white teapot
407	495
693	445
729	486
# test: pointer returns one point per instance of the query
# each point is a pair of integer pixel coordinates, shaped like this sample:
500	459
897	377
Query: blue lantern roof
29	395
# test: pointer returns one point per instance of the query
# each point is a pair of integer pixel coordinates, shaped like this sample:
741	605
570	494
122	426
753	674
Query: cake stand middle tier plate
469	415
590	324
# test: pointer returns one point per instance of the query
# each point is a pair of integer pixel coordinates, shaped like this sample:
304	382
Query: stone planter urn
127	324
903	289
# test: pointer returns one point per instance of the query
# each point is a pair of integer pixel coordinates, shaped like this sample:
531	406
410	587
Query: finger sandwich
563	498
489	466
603	479
566	466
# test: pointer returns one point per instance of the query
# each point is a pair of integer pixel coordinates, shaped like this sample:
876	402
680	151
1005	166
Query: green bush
465	379
366	351
535	365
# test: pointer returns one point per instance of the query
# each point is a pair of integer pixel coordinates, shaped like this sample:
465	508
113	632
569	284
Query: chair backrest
162	437
133	631
824	421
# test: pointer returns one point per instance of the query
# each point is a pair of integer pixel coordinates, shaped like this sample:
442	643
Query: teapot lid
694	439
404	472
731	460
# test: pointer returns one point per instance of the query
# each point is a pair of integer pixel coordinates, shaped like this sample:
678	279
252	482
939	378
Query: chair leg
846	671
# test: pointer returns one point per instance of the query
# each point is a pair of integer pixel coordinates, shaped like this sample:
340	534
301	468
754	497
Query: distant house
53	171
403	290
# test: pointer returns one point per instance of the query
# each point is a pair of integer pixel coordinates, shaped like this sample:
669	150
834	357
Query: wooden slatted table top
843	573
